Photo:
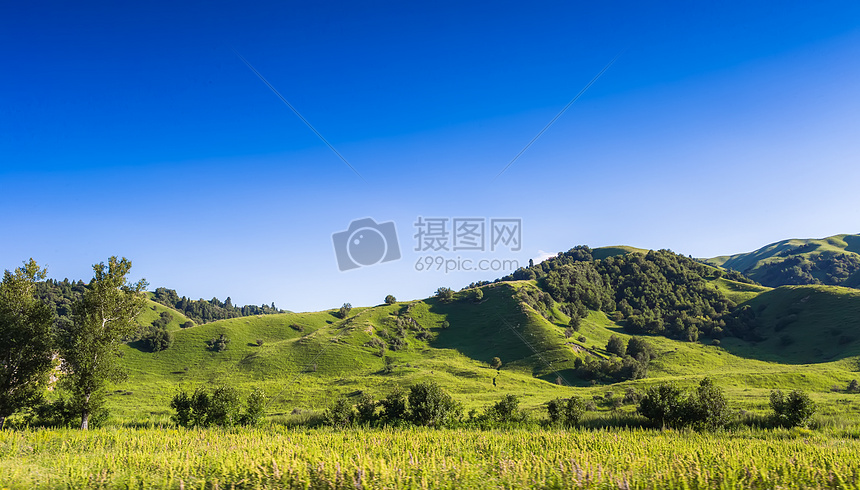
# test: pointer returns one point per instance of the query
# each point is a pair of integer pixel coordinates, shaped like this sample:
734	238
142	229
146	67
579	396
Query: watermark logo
468	234
445	235
365	243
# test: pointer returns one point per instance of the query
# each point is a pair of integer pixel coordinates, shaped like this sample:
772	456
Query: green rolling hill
804	324
833	261
808	337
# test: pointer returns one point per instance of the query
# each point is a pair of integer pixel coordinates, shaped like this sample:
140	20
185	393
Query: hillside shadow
140	345
853	242
742	262
801	325
483	331
567	377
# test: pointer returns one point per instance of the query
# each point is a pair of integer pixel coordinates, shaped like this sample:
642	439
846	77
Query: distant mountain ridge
832	261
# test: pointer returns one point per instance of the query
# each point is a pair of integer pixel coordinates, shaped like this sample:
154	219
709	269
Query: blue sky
135	130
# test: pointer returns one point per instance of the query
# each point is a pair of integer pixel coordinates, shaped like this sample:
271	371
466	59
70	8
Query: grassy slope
344	365
775	252
458	357
739	292
603	252
153	310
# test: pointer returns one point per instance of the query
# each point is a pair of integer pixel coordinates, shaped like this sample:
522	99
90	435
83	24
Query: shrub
566	412
340	414
662	405
219	344
792	410
581	338
390	300
156	339
378	344
200	403
506	410
637	346
61	412
707	408
634	368
430	405
344	310
223	407
255	407
260	342
573	410
297	327
616	346
715	342
496	363
445	294
574	323
668	406
163	319
187	324
366	408
479	296
394	405
182	403
853	386
445	324
398	343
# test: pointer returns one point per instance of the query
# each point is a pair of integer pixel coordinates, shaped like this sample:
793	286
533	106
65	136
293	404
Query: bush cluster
666	405
425	404
507	410
445	294
156	337
219	406
629	361
792	410
344	310
218	344
565	412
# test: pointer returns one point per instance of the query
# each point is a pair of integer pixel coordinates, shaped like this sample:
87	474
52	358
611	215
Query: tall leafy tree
25	340
102	320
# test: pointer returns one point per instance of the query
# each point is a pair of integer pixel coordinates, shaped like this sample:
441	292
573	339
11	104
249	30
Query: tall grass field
280	457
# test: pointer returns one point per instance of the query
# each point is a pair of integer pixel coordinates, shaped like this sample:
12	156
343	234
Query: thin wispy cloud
300	116
557	116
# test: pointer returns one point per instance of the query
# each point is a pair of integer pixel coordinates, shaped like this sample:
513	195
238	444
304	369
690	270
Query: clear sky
134	129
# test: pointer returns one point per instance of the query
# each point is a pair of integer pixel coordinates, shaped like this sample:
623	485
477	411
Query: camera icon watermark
365	243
